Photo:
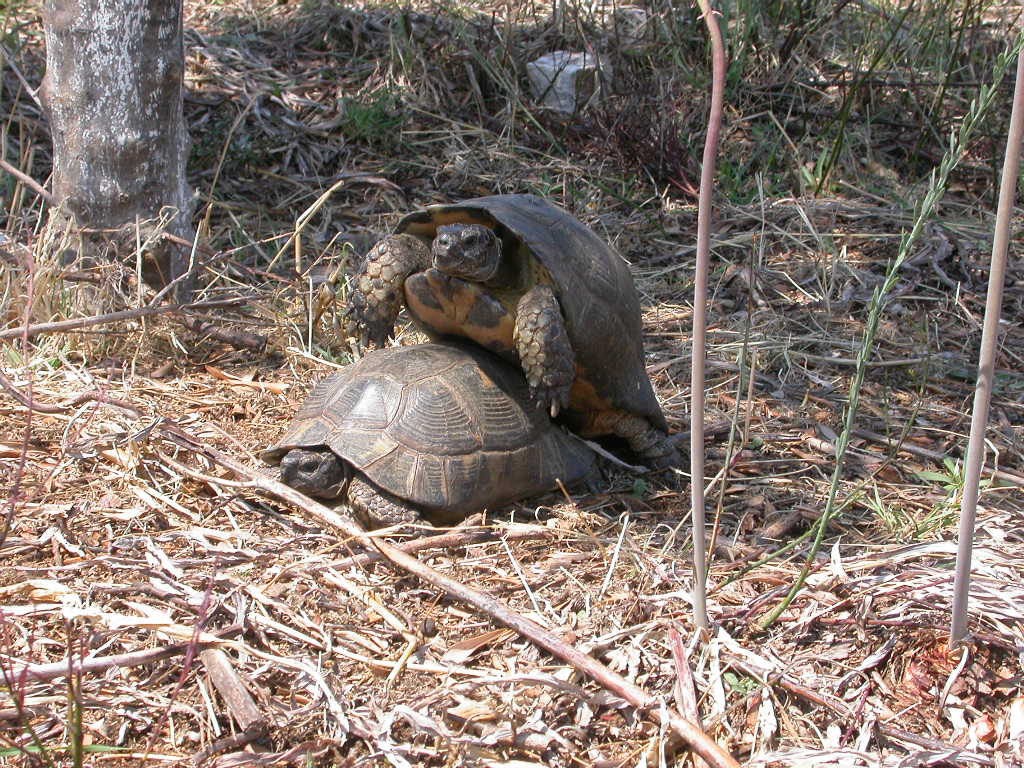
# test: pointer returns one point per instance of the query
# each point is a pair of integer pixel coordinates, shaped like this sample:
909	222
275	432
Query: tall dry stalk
986	361
700	298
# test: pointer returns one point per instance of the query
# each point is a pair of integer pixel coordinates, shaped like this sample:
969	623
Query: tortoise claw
368	333
552	399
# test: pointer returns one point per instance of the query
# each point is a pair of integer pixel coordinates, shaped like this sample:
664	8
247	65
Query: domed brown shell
592	282
444	426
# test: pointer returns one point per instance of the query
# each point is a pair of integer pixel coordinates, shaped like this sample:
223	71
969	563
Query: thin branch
29	182
111	317
93	395
94	665
452	540
986	361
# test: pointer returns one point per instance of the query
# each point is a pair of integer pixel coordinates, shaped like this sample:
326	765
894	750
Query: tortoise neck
509	273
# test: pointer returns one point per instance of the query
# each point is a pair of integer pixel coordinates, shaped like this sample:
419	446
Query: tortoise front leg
545	351
377	508
377	295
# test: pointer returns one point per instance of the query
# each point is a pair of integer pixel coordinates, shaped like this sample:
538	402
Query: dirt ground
220	626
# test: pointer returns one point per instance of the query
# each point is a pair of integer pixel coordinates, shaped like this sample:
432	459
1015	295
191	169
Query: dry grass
112	550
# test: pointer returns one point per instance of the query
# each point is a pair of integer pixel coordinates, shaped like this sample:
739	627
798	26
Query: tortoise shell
446	427
592	282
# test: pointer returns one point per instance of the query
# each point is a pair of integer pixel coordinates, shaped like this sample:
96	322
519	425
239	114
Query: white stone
566	81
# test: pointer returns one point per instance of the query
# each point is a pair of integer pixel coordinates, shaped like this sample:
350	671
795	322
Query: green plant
840	122
903	522
374	118
740	684
952	479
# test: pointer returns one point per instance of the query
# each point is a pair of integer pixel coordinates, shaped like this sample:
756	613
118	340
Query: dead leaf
247	381
463	650
983	729
472	711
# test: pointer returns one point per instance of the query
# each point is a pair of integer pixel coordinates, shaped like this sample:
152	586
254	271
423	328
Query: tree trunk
113	93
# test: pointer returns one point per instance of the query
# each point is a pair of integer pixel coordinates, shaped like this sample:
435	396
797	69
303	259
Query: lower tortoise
433	430
523	278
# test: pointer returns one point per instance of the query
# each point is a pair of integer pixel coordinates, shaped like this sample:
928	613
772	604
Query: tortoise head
469	251
316	473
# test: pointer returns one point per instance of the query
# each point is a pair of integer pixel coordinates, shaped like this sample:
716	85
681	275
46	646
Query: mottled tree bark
113	93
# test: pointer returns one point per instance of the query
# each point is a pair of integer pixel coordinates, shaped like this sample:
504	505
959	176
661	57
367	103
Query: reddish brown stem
700	299
444	541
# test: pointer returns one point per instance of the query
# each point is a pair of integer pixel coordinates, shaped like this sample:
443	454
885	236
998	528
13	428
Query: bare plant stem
986	361
700	298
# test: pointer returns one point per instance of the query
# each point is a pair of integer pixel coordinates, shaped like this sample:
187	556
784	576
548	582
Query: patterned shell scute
593	283
454	428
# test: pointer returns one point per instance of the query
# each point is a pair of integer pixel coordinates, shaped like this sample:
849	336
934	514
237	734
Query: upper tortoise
441	430
524	278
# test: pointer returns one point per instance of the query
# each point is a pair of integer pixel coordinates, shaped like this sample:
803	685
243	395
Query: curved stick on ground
96	664
650	706
34	405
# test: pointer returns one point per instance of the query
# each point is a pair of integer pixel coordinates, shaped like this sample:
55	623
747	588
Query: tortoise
522	277
432	430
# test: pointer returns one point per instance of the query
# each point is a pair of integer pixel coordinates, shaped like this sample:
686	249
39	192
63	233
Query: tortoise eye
309	465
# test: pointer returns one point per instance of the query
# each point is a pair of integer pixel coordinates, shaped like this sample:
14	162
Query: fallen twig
103	663
75	323
34	405
231	688
237	339
936	456
442	541
27	401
